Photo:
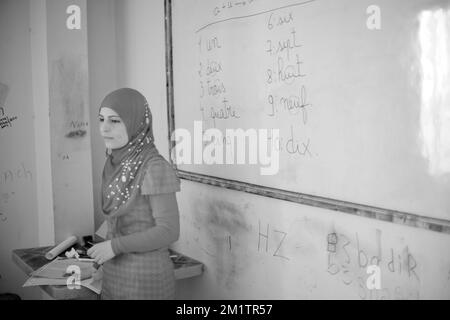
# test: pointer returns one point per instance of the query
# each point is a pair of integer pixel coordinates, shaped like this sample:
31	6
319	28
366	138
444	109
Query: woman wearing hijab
138	203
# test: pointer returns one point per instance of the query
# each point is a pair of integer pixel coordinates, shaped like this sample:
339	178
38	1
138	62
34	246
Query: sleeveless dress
141	275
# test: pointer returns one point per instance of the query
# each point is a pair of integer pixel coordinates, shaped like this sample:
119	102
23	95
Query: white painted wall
70	127
18	185
102	79
260	248
44	195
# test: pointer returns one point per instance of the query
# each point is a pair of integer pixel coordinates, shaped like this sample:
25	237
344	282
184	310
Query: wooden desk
32	259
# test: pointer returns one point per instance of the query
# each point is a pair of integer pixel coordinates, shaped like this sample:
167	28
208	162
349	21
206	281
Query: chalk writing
264	236
6	196
220	243
63	156
215	87
276	254
213	68
277	20
5	120
293	104
12	175
395	263
210	44
217	10
230	5
78	124
331	242
291	144
285	72
396	292
224	112
294	147
332	268
279	46
285	79
349	260
77	129
210	85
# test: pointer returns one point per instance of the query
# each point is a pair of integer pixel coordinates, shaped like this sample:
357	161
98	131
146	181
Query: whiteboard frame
361	210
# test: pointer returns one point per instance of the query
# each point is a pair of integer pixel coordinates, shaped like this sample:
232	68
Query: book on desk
32	259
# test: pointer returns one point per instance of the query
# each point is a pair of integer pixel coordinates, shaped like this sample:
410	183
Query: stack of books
69	272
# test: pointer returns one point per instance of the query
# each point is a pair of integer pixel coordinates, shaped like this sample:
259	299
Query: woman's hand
101	252
98	274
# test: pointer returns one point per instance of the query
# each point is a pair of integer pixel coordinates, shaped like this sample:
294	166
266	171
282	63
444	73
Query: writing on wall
348	259
6	121
68	79
271	238
285	99
10	177
16	174
227	6
226	234
221	239
5	199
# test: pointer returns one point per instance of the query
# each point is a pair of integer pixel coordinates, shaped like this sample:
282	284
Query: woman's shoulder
158	165
159	177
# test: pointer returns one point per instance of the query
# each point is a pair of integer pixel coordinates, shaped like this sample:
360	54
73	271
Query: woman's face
112	129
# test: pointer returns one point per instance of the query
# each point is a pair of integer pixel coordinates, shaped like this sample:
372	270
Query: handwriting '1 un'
210	44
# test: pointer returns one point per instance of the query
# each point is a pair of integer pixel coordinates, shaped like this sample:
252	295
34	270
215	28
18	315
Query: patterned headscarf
123	171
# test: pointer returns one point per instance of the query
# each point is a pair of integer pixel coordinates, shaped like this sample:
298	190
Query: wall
260	248
125	47
18	188
45	132
69	121
103	79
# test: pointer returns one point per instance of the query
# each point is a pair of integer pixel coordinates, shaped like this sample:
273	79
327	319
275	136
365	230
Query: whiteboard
357	93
